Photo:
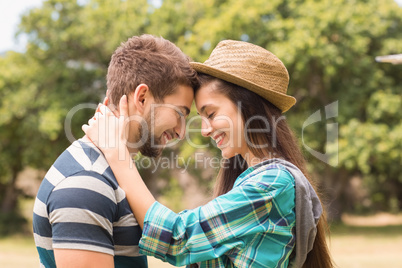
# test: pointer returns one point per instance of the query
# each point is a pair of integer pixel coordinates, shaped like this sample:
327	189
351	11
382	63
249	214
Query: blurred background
54	55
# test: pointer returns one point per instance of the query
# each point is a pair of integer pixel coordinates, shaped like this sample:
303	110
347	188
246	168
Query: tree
329	49
328	46
68	51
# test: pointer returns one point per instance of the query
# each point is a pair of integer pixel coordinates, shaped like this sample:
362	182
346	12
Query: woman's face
221	120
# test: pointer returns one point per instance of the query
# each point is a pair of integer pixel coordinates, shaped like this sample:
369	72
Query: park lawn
18	252
351	247
367	246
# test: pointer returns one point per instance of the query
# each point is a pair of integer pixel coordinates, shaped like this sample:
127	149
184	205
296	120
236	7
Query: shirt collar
253	170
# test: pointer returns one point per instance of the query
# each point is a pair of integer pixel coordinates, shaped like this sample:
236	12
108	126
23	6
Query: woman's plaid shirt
250	226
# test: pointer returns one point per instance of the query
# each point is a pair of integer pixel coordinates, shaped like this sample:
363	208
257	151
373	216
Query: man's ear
141	97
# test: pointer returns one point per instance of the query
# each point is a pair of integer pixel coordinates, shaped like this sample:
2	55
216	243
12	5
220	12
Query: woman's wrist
118	155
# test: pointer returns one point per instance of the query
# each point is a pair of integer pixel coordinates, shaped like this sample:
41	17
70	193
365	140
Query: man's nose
180	129
206	128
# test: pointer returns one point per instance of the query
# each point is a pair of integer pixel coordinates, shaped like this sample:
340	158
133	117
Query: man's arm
73	258
81	210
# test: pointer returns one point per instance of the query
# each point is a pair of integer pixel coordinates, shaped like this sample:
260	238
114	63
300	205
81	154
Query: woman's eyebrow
202	110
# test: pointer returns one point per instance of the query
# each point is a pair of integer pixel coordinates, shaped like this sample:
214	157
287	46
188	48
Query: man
81	215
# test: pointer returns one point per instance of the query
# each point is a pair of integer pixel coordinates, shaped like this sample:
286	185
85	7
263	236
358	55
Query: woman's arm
118	157
204	233
233	224
137	193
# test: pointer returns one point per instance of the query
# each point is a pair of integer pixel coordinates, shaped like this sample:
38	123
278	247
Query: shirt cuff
157	231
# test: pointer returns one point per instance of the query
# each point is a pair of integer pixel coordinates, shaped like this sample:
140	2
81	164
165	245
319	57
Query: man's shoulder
80	156
80	179
79	160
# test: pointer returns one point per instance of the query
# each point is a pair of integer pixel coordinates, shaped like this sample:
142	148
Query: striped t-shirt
81	206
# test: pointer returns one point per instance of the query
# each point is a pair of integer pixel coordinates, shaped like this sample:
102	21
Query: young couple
92	204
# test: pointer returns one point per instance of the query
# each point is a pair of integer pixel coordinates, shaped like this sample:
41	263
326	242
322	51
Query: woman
265	212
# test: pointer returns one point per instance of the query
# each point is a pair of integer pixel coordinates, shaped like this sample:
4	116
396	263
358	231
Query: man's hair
149	60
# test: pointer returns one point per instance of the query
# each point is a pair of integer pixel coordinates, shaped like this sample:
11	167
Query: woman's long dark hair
277	142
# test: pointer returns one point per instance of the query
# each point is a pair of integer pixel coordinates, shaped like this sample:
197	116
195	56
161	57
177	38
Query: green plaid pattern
250	226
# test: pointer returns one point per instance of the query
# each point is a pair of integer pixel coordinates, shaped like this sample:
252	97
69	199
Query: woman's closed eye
211	115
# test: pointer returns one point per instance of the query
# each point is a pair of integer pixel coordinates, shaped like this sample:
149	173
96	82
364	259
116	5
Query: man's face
164	121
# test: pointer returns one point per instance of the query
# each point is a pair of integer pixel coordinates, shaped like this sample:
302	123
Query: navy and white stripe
81	206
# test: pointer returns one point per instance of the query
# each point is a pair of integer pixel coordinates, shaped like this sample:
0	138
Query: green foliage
172	195
382	130
11	223
328	47
64	65
374	148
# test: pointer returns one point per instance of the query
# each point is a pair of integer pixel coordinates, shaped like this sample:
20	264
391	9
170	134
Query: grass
362	242
366	246
18	252
351	247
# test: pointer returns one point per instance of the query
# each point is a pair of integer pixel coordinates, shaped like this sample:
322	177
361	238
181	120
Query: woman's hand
108	132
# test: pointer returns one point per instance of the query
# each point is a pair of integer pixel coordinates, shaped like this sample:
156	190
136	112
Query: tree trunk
10	198
334	185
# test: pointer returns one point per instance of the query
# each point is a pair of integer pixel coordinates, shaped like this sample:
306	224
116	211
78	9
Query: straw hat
251	67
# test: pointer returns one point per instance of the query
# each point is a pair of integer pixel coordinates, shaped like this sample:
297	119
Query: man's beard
152	146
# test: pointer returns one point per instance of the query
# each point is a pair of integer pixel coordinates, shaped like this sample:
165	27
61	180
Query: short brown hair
149	60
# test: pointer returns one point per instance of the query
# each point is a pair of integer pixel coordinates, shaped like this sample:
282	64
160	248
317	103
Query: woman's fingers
123	106
85	128
92	120
123	127
104	110
103	129
105	100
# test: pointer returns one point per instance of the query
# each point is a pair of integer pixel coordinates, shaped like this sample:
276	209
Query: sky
10	13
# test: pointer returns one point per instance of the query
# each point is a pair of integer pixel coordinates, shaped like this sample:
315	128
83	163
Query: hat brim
282	101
